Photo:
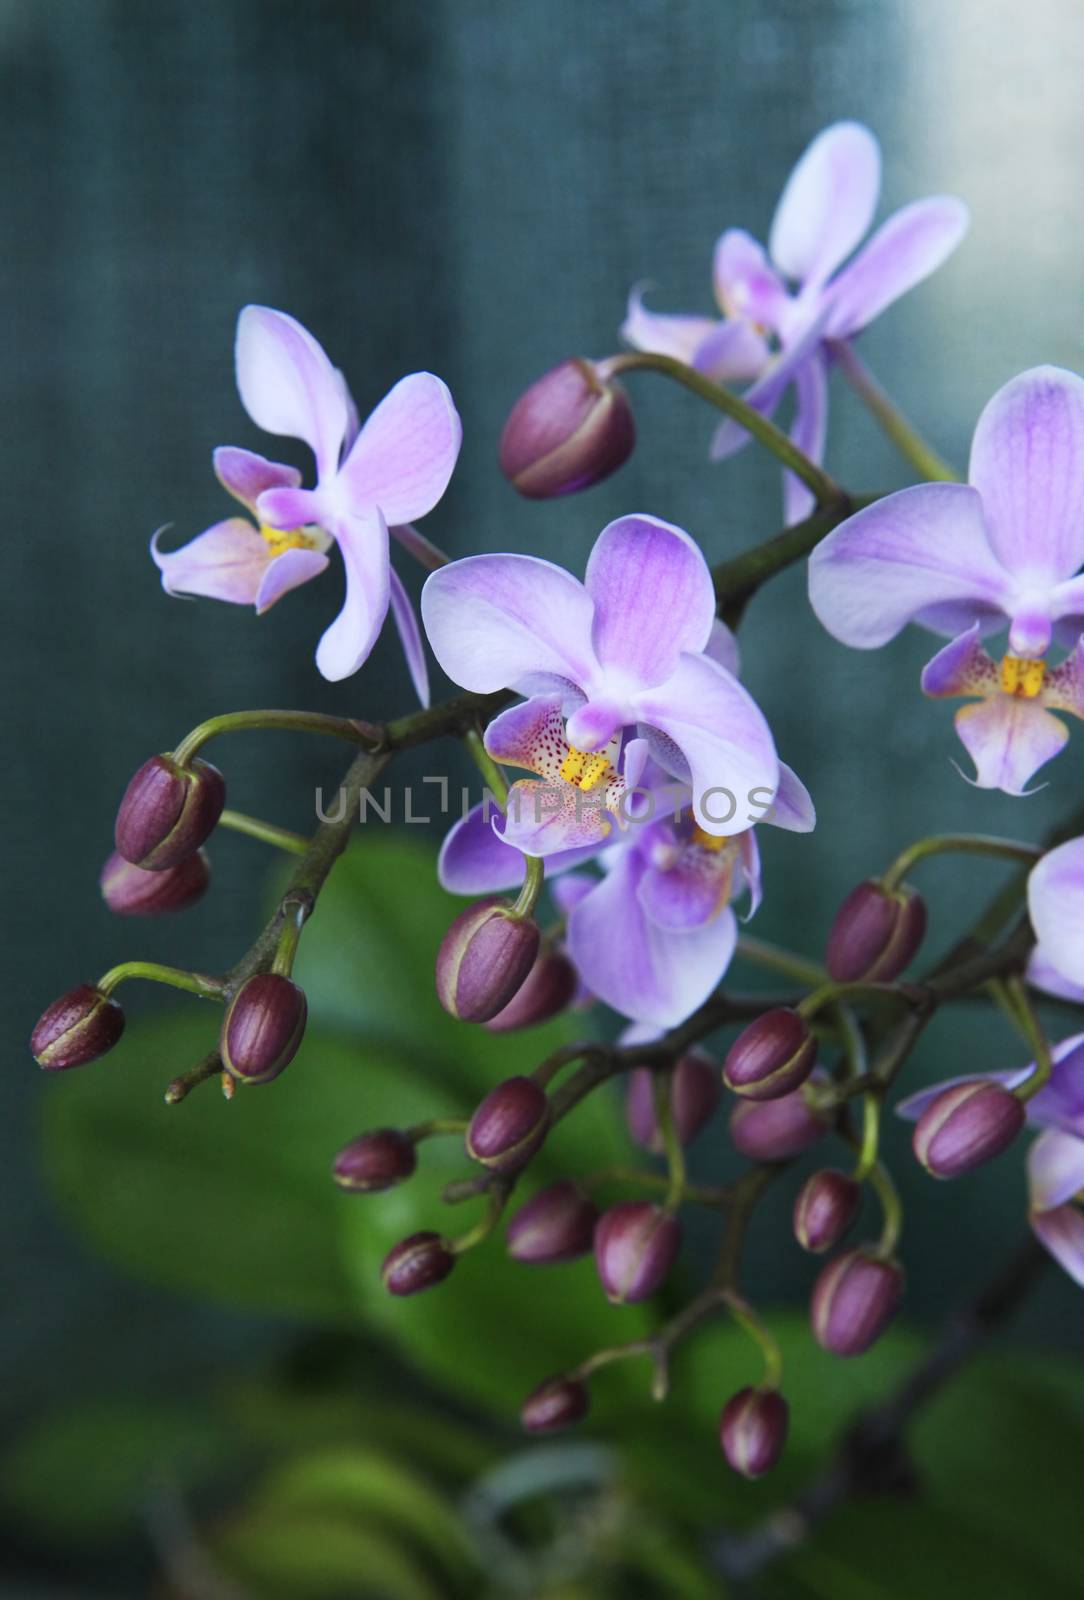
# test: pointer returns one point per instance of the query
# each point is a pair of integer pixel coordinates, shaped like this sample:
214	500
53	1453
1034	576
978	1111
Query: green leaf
320	1555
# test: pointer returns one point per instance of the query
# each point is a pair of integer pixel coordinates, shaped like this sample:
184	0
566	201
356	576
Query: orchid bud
484	959
555	1404
772	1056
566	432
776	1130
262	1028
134	892
418	1262
375	1160
875	935
694	1095
168	811
965	1126
556	1224
79	1027
636	1244
854	1299
753	1430
826	1206
548	989
509	1125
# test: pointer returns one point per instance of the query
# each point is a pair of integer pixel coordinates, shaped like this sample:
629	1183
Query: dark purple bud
854	1299
79	1027
770	1057
134	892
548	989
753	1430
775	1130
556	1224
415	1263
374	1160
875	935
509	1125
566	432
555	1404
484	959
168	811
262	1028
694	1095
826	1206
965	1126
636	1244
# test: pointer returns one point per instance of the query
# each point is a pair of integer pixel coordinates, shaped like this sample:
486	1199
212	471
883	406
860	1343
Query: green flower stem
661	1085
761	428
291	721
435	1127
296	910
829	993
976	844
776	959
209	1067
747	1191
496	1201
199	983
698	1194
1033	1031
891	1208
908	441
871	1137
750	1323
267	832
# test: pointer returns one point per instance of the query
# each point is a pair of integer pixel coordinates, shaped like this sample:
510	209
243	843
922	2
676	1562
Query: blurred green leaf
323	1556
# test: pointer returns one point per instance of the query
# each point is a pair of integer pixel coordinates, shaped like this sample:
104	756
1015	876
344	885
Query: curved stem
871	1135
661	1088
1033	1031
434	1127
977	844
776	959
431	557
908	441
762	1337
267	832
760	427
291	721
495	1204
887	1193
199	983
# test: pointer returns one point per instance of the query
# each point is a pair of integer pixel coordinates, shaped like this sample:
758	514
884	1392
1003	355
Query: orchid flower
627	648
967	559
1056	1159
1056	910
799	295
389	472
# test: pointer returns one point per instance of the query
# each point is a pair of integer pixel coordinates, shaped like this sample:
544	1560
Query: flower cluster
651	775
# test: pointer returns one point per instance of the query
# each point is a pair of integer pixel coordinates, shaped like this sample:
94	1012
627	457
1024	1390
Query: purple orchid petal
891	562
1009	739
406	623
1027	462
1055	1169
646	974
353	420
475	860
664	333
907	248
634	763
653	598
732	352
287	384
809	431
749	876
914	1105
496	621
288	571
721	733
747	286
722	646
1061	1231
227	562
827	204
1063	689
405	453
792	808
567	892
1060	1102
961	667
246	475
530	735
1056	908
290	508
1043	974
552	818
764	395
347	643
691	891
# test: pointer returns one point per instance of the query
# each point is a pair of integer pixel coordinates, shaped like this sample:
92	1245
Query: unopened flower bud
484	959
826	1206
556	1224
854	1299
775	1130
555	1404
965	1126
547	990
772	1056
753	1430
415	1263
875	935
509	1125
79	1027
694	1095
374	1160
134	892
636	1244
567	431
263	1027
168	811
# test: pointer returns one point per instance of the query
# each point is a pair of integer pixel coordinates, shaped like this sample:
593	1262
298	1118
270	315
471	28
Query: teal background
469	186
